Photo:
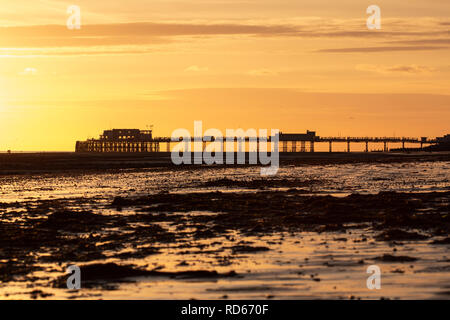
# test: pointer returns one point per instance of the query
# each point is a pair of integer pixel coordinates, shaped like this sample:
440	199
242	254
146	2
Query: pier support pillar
284	148
311	146
294	146
330	147
348	145
403	145
385	147
367	146
303	146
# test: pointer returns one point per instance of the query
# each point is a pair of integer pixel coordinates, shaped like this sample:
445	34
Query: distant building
126	134
308	136
441	144
443	140
120	140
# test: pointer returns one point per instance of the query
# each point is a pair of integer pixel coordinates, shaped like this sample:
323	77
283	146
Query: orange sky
285	64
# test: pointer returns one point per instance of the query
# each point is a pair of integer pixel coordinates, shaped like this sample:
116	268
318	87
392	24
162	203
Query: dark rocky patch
248	249
71	221
39	294
261	183
442	241
391	258
271	211
400	235
114	272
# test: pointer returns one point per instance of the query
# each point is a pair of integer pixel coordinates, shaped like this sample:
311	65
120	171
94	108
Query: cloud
364	34
382	49
132	38
423	42
149	32
29	72
122	33
195	68
403	69
77	51
119	38
262	72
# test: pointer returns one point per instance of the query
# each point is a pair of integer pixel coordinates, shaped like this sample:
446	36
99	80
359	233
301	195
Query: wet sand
230	236
23	163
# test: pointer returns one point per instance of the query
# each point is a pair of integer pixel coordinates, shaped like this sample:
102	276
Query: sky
264	64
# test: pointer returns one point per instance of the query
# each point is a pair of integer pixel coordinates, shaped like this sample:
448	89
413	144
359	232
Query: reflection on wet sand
212	233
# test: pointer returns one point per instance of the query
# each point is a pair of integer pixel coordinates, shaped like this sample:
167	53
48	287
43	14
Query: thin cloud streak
148	32
423	42
381	49
396	69
138	38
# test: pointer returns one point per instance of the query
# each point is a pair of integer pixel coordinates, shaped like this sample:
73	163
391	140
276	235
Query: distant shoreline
51	162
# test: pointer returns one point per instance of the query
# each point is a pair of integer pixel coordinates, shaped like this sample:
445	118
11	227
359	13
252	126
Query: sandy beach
205	232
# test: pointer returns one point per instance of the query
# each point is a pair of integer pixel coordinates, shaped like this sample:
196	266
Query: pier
142	141
311	138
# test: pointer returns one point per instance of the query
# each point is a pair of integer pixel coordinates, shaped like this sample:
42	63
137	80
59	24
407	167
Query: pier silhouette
142	141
